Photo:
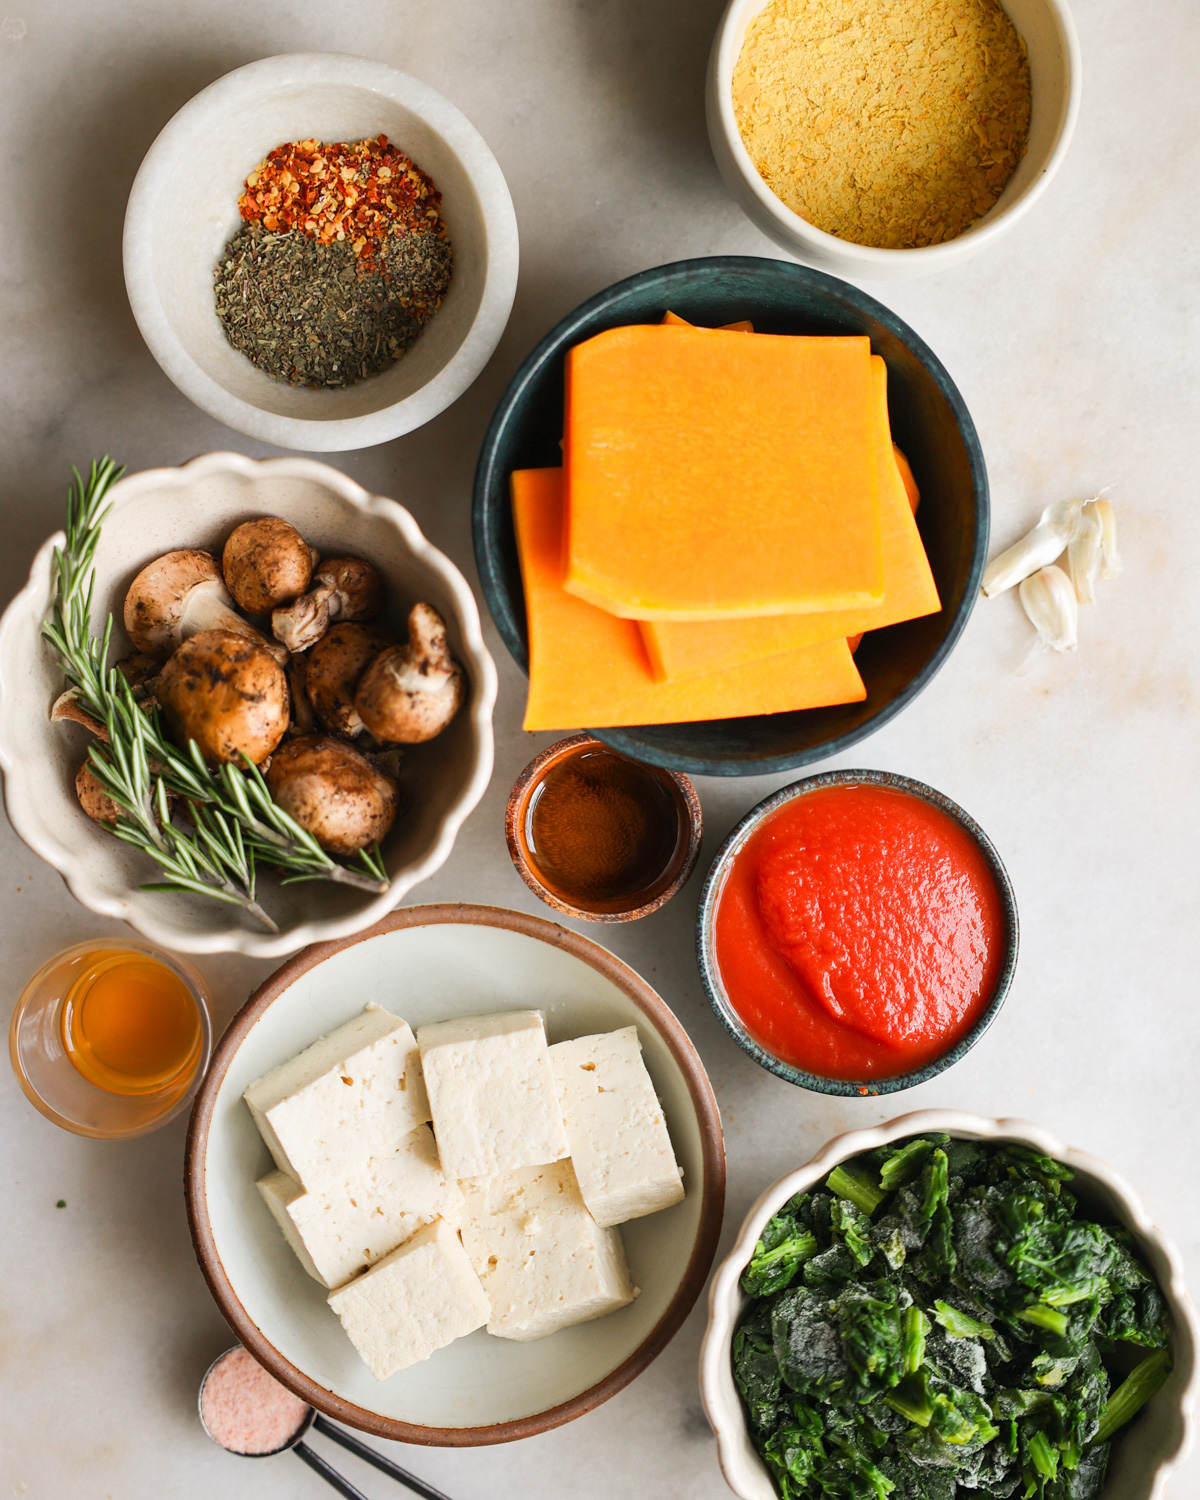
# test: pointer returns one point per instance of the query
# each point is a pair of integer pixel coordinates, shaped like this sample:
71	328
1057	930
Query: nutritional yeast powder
892	123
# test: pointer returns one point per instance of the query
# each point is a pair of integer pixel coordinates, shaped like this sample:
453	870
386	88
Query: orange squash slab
743	325
678	651
587	667
721	478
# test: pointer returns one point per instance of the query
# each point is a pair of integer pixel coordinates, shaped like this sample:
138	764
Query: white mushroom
343	588
267	563
334	792
335	665
410	693
177	596
228	694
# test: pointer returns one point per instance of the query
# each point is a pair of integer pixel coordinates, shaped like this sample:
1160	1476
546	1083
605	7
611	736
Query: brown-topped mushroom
226	692
334	792
303	721
267	563
180	595
94	800
410	693
343	588
335	665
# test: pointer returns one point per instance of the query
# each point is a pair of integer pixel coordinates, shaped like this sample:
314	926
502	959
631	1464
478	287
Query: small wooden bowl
674	876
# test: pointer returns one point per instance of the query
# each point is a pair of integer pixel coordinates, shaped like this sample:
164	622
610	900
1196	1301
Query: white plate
427	964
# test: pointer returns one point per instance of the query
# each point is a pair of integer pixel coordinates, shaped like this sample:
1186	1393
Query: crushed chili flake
358	193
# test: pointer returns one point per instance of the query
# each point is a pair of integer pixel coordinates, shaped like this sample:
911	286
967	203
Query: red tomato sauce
859	932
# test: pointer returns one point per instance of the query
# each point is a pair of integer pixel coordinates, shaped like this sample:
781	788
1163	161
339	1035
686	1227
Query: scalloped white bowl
179	220
198	505
1143	1458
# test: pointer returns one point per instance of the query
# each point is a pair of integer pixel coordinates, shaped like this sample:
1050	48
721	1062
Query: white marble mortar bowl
1144	1455
183	210
1054	64
198	505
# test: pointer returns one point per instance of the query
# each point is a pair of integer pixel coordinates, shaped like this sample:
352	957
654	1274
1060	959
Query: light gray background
1075	344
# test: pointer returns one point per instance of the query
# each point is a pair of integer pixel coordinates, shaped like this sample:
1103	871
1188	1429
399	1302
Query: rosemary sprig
235	823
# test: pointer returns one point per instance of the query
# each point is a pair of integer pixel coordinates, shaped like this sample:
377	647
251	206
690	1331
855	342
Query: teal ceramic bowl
929	422
710	972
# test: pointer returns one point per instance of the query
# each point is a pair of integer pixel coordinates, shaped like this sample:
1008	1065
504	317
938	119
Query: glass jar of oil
111	1038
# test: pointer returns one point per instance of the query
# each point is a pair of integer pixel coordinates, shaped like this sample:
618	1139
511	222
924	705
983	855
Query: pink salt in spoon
248	1412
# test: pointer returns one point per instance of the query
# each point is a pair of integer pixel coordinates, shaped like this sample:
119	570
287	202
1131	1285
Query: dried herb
310	313
342	260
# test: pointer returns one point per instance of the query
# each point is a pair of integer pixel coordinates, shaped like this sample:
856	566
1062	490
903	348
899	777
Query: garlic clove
1085	556
1043	545
1110	558
1048	598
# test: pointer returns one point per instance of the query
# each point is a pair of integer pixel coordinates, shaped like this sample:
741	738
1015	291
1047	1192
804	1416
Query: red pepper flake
363	191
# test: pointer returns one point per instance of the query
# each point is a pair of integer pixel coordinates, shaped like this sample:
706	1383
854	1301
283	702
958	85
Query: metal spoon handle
329	1474
369	1455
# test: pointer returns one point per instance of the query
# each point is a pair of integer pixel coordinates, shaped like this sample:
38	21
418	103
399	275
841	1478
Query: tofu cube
353	1094
346	1226
544	1262
492	1093
416	1300
619	1143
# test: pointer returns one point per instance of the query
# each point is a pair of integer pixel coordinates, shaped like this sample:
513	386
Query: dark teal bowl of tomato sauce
857	933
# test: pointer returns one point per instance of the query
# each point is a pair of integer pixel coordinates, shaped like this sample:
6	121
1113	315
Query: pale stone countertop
1076	344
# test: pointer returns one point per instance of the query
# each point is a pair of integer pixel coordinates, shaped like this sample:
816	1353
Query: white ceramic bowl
183	211
1054	64
198	505
1143	1457
429	964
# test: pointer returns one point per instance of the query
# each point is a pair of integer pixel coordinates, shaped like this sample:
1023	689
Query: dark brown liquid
605	833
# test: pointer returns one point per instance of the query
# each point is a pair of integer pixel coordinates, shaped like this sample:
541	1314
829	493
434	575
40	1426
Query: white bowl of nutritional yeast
1055	77
183	210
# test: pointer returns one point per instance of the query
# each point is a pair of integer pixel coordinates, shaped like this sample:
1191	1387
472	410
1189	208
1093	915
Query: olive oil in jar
129	1023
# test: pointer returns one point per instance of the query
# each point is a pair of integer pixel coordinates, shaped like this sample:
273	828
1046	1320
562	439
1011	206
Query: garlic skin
1085	555
1048	599
1043	545
1110	558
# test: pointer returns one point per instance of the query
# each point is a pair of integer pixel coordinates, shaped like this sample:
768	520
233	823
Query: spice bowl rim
523	789
800	238
710	894
287	73
741	1466
89	877
196	987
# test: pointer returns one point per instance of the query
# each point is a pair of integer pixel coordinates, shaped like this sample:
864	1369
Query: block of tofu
544	1262
619	1143
353	1094
492	1093
416	1300
340	1229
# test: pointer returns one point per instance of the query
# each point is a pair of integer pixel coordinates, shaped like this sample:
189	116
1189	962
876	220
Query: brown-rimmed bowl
687	833
429	963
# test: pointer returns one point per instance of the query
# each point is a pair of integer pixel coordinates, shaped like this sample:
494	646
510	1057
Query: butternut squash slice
715	478
587	667
677	650
743	325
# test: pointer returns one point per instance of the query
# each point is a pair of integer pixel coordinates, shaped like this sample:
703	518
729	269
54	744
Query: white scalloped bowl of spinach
970	1352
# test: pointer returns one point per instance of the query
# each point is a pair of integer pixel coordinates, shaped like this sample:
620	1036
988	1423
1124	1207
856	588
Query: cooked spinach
940	1322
